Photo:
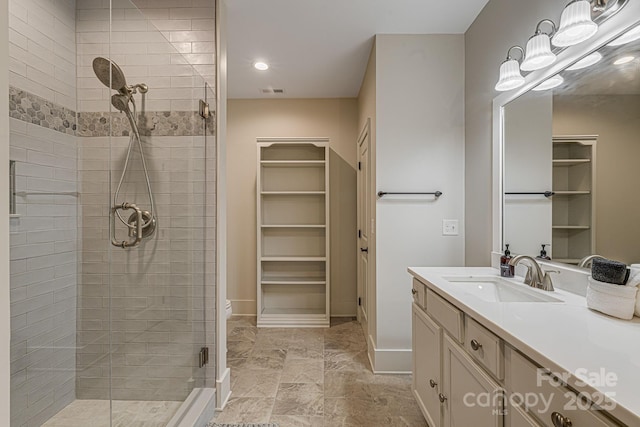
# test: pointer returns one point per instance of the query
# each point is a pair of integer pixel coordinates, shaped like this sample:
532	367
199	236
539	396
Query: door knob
413	292
442	398
475	345
432	383
364	250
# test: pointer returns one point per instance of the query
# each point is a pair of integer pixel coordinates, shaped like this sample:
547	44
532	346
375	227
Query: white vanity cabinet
427	343
466	375
447	383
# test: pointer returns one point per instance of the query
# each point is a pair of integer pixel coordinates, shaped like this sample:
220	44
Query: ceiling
320	48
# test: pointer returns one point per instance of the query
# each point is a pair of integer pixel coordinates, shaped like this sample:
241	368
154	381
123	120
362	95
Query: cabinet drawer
419	293
543	398
518	418
446	314
485	347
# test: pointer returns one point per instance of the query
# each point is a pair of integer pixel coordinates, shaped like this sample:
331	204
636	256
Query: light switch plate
450	227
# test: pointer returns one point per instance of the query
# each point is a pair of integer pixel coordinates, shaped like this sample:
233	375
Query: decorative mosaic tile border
151	123
33	109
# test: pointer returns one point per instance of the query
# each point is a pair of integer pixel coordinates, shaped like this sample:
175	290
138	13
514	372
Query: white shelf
294	226
293	233
293	258
573	207
292	163
292	311
291	281
570	162
292	193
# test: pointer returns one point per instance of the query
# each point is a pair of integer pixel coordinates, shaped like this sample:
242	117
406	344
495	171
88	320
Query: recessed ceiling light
631	35
586	61
624	60
550	83
261	66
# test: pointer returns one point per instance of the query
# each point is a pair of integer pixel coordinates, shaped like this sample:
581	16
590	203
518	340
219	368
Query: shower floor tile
126	413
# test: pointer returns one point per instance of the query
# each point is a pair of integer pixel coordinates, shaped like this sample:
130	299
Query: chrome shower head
120	101
109	74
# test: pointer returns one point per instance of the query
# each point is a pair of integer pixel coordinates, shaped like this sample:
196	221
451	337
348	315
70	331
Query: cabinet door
517	418
427	339
471	397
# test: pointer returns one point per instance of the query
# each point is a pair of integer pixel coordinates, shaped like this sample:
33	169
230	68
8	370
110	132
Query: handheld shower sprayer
140	224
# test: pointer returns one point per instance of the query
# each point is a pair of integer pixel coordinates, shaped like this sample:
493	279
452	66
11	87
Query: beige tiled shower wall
43	284
160	301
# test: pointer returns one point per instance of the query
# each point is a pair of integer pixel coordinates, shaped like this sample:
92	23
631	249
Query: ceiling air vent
271	91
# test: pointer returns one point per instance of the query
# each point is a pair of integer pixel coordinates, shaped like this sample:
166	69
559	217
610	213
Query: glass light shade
510	77
538	53
576	24
624	60
587	61
550	83
628	37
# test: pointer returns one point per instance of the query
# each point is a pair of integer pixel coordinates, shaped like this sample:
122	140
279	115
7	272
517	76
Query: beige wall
249	119
501	24
616	121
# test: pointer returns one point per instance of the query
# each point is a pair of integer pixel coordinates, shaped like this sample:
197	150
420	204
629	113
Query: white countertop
564	337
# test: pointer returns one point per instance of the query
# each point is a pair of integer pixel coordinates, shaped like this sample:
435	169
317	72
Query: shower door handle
132	243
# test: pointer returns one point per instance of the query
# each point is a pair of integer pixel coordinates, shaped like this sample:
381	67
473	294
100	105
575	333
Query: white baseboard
223	390
243	307
388	361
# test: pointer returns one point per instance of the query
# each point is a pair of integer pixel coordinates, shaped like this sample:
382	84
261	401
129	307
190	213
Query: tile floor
129	413
311	377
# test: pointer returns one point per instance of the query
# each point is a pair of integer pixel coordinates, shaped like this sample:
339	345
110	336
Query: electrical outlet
450	227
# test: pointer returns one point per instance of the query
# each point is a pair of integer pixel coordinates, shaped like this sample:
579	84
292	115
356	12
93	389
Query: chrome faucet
535	277
586	261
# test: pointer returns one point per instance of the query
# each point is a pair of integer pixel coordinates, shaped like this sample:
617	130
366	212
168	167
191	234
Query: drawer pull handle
432	383
560	420
475	345
413	291
442	398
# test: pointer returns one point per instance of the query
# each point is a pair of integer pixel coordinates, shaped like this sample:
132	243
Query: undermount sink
496	289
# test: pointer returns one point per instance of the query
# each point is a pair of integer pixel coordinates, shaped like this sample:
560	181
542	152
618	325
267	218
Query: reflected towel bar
545	194
384	193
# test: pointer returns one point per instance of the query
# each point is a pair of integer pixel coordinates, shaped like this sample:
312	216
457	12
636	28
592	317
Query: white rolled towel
615	300
634	281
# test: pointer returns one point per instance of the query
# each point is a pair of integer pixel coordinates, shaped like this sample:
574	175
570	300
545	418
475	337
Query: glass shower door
154	242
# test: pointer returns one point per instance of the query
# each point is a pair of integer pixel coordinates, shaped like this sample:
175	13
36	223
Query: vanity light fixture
624	60
587	61
576	24
538	51
550	83
510	77
628	37
261	66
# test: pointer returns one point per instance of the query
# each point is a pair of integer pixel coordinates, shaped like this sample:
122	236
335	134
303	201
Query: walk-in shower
113	240
142	223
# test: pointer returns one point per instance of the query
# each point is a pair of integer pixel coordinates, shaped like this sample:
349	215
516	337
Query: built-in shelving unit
573	227
293	232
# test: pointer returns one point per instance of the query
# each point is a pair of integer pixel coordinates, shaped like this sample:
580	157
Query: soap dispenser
543	253
506	269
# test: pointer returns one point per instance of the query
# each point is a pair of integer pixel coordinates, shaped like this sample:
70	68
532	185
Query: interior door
364	218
